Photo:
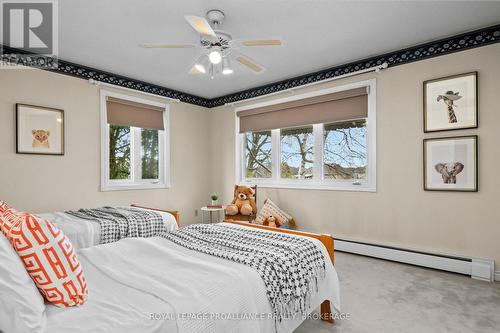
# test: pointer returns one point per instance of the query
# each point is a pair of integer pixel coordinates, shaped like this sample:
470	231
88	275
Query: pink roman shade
128	113
344	105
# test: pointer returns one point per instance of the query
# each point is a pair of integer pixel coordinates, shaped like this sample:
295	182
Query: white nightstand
211	211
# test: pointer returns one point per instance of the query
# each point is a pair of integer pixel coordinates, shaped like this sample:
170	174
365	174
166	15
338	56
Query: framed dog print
39	130
450	164
450	103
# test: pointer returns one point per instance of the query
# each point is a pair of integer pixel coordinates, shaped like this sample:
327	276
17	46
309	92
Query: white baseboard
497	276
482	269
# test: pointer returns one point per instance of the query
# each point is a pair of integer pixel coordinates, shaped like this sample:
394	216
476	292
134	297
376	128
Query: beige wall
400	213
49	183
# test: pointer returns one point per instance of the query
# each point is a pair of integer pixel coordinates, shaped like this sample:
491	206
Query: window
119	152
332	148
135	143
258	155
149	154
344	150
297	153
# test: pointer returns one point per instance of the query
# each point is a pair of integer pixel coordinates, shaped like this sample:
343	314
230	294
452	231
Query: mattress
86	233
153	285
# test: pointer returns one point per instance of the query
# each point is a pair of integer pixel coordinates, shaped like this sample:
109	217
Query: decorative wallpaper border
11	55
444	46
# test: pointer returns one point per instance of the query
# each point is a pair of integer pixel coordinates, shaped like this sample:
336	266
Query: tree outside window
258	160
297	146
149	154
344	152
119	152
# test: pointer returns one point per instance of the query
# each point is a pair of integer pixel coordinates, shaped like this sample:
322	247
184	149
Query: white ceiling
105	34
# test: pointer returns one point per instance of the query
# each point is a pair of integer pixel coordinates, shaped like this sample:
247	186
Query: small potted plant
214	198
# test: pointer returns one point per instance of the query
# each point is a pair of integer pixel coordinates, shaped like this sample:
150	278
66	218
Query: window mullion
136	154
275	153
161	157
107	155
132	157
138	159
241	140
318	152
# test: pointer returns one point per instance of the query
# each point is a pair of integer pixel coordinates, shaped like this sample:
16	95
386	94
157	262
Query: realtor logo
30	26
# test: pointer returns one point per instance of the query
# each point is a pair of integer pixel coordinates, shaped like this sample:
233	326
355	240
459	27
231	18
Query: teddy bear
243	202
271	221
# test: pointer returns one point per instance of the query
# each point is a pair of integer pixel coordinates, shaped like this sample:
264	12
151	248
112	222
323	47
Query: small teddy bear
271	221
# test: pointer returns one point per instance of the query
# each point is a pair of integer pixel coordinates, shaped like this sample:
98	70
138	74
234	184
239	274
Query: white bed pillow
21	306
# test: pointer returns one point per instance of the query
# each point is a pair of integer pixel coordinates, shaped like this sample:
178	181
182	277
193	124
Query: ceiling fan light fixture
226	67
213	71
215	57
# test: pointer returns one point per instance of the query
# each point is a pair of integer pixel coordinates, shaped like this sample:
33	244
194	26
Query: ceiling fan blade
201	25
195	71
252	65
262	42
167	46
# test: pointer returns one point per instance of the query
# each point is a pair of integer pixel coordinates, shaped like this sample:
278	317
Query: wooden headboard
175	213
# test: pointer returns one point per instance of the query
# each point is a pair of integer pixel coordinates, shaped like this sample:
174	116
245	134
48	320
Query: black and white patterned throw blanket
118	223
290	266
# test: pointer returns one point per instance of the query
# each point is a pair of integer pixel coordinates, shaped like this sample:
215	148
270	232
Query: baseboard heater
482	269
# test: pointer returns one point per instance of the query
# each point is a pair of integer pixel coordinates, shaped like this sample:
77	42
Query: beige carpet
386	297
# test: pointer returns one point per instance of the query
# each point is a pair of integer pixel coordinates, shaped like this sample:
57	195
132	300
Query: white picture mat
33	118
450	151
464	108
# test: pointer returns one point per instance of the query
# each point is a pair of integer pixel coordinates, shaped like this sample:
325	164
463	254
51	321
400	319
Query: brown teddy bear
271	221
243	202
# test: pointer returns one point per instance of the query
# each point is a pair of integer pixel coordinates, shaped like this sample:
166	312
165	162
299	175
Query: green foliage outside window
149	153
119	152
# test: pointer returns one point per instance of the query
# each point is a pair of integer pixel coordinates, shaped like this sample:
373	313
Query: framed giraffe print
450	103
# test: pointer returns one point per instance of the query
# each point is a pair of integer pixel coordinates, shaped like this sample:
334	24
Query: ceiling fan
219	49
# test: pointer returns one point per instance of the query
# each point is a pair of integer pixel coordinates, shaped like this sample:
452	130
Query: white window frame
135	183
369	184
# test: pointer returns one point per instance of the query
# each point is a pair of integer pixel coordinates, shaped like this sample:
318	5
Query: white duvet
85	233
152	285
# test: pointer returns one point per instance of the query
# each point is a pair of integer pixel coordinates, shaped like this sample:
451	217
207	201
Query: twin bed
155	285
87	233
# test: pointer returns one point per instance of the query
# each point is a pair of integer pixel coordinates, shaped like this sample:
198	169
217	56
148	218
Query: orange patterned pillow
3	207
3	221
8	217
50	260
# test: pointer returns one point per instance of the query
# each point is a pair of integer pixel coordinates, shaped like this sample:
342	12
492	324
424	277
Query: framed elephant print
450	103
450	164
39	130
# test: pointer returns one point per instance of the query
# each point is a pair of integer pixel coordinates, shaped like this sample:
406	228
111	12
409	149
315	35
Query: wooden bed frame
327	240
175	213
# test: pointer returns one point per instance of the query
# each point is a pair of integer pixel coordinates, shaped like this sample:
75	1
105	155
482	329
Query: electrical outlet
196	212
